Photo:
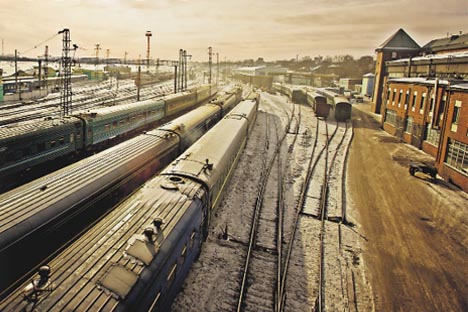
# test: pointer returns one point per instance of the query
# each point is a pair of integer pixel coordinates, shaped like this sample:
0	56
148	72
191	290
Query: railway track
283	272
315	201
263	263
84	98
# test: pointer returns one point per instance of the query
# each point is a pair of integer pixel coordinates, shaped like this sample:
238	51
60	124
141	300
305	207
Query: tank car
31	213
136	257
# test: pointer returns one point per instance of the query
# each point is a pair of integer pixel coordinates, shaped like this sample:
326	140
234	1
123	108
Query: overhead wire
40	44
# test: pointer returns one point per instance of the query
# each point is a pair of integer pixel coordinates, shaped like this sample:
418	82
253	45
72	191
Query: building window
388	96
409	125
457	155
456	115
390	117
399	98
415	95
432	135
406	99
393	96
423	100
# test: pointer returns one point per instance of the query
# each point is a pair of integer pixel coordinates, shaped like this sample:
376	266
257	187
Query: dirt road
417	232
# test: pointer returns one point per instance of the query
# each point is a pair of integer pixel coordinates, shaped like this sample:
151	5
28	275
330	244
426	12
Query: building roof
449	43
453	57
399	41
460	87
369	75
419	80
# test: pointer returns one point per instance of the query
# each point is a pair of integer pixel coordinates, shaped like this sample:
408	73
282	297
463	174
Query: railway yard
317	215
383	258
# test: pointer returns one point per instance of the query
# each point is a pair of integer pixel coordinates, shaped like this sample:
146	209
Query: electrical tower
66	94
181	75
210	63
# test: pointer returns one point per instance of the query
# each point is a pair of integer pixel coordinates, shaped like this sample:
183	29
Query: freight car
30	213
319	104
26	145
136	257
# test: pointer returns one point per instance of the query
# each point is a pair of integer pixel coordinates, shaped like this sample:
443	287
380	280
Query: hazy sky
237	29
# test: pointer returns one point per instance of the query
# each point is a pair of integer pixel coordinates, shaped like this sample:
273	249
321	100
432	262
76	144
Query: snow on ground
214	280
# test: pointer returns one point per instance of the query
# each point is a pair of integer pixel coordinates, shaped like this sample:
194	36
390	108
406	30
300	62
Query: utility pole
217	67
148	39
125	57
175	78
66	94
138	83
96	49
210	55
107	65
46	67
40	72
16	73
185	69
3	51
181	70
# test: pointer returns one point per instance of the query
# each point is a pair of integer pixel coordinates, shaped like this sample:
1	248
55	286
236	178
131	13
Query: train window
114	124
155	301
78	136
128	119
71	138
25	151
171	276
192	239
62	141
183	253
53	143
41	147
107	127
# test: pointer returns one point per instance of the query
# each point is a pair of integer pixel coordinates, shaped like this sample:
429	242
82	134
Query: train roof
34	202
101	269
119	109
202	160
13	131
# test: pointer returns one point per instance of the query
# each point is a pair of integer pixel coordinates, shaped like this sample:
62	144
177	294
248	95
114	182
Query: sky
236	29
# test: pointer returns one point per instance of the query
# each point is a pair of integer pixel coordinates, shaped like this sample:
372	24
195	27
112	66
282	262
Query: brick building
452	157
424	101
399	45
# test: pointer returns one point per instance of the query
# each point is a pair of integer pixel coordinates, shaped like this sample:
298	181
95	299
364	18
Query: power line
39	44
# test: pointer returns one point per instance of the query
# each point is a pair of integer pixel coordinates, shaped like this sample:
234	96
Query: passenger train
23	146
341	105
307	95
34	212
319	103
136	257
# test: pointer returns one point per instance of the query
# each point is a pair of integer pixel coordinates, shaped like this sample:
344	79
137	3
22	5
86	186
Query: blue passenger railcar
107	123
25	145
